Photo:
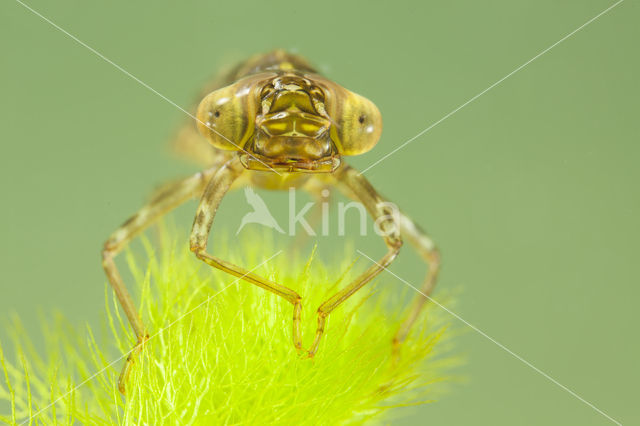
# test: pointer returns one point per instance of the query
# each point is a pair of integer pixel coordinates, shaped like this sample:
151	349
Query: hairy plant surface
221	351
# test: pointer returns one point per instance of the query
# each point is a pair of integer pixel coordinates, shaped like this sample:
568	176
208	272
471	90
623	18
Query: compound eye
226	117
359	124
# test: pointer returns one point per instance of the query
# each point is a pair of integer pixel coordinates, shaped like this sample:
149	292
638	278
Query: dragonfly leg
357	186
427	249
215	191
165	200
429	252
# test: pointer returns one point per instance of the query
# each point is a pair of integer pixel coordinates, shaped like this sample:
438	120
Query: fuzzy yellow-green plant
221	350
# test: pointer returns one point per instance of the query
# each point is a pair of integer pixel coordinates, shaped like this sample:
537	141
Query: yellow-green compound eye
358	123
226	116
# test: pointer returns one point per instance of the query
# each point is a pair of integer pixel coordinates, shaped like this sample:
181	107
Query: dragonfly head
290	122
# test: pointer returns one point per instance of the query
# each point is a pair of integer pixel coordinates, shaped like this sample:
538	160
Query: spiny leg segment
164	201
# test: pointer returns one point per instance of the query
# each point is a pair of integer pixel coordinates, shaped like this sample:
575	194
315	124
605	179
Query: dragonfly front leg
426	248
350	181
166	200
215	191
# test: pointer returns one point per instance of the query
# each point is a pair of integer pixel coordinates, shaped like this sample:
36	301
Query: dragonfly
274	122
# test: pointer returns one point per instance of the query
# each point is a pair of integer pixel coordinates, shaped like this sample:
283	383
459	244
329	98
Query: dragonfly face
289	121
292	128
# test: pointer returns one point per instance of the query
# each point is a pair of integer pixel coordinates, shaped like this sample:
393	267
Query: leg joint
107	255
395	242
196	248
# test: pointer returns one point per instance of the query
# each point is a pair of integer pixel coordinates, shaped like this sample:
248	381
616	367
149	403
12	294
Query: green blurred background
531	191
